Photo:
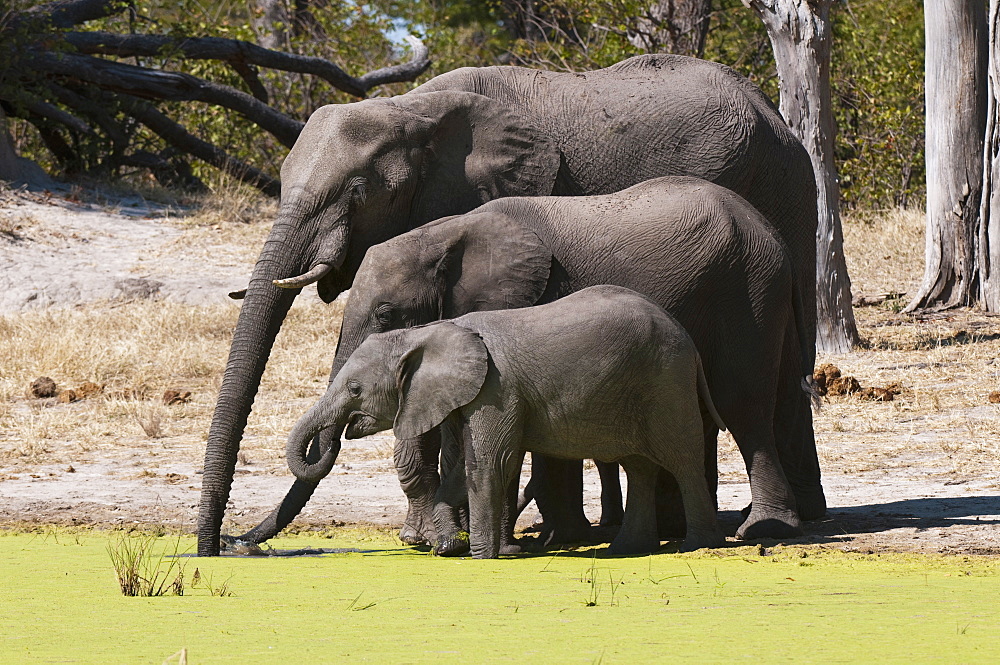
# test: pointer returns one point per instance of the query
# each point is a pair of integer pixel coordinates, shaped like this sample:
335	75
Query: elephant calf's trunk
295	451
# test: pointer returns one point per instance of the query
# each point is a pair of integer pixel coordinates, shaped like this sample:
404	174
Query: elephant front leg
491	463
417	467
509	544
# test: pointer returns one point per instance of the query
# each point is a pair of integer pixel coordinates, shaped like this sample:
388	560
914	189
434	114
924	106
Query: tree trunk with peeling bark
955	74
988	236
673	26
800	34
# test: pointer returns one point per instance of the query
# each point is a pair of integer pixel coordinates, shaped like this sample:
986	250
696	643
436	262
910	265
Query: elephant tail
706	396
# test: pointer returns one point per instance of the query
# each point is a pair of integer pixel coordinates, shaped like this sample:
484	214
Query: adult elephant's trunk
260	319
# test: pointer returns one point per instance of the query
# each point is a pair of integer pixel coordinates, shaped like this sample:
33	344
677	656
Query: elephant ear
477	150
442	369
498	263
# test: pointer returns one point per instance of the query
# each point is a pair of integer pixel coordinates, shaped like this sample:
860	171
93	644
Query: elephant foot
773	523
811	503
697	541
568	535
635	544
510	548
603	534
565	531
611	520
671	525
456	545
412	536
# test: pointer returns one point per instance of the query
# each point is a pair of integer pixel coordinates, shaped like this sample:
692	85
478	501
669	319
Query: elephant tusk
238	295
314	275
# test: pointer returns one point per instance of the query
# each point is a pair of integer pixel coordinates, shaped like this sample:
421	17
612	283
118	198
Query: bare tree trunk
270	22
955	71
988	240
800	35
673	26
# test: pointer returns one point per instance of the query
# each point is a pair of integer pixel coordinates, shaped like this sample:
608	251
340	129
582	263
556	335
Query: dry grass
947	364
885	251
138	349
942	420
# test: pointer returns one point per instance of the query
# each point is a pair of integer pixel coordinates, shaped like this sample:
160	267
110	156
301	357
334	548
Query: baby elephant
603	373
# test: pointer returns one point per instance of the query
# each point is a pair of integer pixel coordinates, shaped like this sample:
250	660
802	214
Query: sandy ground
899	476
59	251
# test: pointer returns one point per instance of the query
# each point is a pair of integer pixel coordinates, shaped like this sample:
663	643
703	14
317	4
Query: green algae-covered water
60	603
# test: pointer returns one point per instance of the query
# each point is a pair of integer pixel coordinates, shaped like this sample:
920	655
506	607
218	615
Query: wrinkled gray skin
365	172
694	248
602	373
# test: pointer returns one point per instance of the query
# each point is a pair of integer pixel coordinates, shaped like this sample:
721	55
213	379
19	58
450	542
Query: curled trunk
303	466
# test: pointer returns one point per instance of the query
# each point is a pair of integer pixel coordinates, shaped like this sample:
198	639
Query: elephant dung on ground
365	172
601	373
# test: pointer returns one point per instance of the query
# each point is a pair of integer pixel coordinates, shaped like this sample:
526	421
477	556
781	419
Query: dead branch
174	134
57	77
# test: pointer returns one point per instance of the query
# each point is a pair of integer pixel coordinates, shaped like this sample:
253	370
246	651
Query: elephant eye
384	316
357	191
354	388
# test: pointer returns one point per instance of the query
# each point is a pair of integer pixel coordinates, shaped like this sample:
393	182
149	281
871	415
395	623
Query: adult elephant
365	172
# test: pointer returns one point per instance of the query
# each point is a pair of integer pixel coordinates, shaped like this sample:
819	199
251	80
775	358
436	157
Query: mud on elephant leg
417	467
451	504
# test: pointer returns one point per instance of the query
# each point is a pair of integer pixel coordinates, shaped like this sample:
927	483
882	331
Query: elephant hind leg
795	439
772	513
611	494
699	511
558	492
638	531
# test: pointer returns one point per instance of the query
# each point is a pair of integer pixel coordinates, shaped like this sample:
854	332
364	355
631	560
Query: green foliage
350	34
877	69
458	33
878	86
737	38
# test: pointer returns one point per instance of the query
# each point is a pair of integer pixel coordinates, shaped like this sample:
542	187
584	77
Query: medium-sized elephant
696	249
602	373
